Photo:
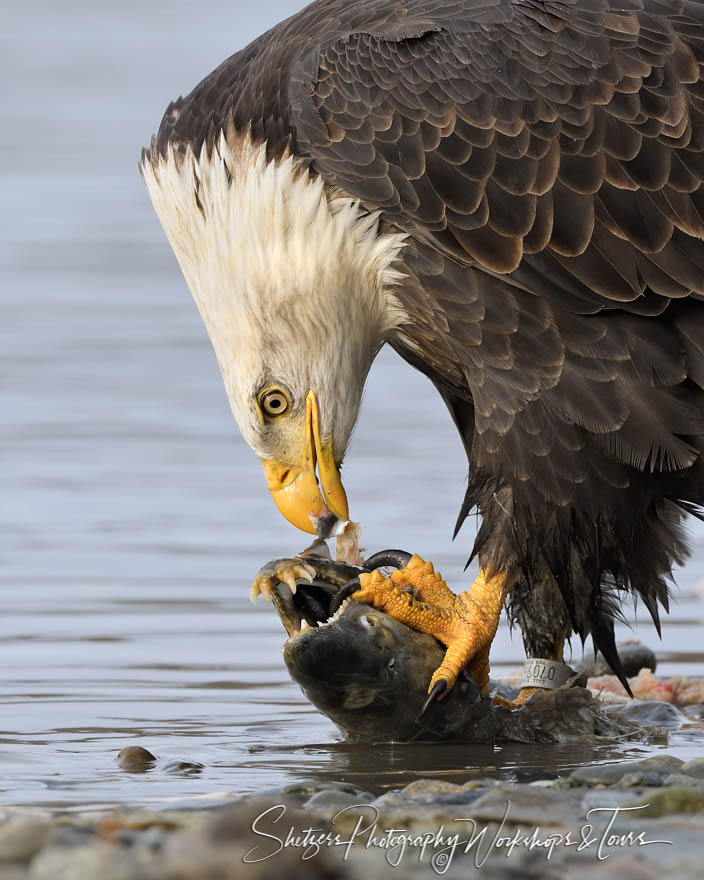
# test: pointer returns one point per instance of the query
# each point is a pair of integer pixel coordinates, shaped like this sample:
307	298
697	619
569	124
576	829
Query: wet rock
226	848
184	768
153	838
22	836
140	820
427	789
99	860
525	805
648	713
640	778
662	762
667	801
694	767
609	798
328	803
135	759
682	780
74	834
653	769
305	789
634	657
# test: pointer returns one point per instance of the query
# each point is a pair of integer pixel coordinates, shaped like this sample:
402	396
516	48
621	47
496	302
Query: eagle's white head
295	287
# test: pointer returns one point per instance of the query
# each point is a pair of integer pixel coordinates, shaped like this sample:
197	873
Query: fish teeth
335	616
263	586
288	574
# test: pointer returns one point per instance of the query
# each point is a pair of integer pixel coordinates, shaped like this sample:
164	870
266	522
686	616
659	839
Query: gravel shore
638	819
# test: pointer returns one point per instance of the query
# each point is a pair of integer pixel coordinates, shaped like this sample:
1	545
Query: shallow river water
132	516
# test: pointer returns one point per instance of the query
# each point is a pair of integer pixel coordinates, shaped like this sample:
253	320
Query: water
133	517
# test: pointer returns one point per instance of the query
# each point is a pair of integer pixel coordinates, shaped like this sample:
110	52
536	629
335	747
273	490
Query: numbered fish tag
545	673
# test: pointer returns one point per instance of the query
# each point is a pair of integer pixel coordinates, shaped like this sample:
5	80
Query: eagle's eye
274	401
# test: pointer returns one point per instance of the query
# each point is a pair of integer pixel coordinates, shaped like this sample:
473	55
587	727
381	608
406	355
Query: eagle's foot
284	571
506	704
418	596
524	694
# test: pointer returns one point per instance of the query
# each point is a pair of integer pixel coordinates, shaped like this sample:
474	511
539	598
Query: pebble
667	801
683	779
97	861
695	767
648	713
651	769
21	837
307	788
331	802
634	657
135	759
184	768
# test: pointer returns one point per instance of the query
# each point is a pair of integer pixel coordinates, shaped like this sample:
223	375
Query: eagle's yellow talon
414	562
419	597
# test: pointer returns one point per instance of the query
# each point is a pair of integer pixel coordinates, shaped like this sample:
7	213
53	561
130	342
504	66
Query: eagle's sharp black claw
344	593
393	558
438	690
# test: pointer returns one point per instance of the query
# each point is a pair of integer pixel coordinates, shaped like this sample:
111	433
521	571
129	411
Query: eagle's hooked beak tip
295	488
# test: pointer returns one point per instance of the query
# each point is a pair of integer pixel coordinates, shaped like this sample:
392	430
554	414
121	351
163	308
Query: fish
368	673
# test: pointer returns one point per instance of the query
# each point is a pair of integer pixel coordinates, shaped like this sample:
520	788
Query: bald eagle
507	192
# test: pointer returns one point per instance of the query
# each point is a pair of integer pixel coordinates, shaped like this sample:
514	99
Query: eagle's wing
546	159
555	148
559	142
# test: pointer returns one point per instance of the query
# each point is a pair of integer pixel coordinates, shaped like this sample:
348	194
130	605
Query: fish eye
274	402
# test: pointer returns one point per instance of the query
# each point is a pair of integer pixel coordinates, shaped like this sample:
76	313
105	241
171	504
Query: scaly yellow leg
418	596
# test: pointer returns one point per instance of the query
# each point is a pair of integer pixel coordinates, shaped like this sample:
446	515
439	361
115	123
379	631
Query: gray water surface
132	516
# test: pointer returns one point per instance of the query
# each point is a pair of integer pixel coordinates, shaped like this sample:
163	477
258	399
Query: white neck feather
272	260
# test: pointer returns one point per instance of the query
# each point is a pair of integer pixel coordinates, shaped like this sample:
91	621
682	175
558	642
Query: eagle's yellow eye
274	402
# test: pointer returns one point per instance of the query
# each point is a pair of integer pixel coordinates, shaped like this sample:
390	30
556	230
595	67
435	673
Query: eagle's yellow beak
295	489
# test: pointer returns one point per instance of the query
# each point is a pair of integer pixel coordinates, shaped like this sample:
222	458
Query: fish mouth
321	602
309	608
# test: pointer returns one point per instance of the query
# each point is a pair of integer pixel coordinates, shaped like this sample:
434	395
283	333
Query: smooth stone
695	767
153	838
683	780
666	801
662	762
22	837
330	802
648	713
428	789
610	797
141	820
307	788
68	835
634	657
135	759
458	797
610	774
525	805
100	859
647	778
184	768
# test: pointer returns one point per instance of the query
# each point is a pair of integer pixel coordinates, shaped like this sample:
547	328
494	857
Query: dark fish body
369	674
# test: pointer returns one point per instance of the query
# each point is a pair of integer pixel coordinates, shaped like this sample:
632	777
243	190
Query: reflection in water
132	517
